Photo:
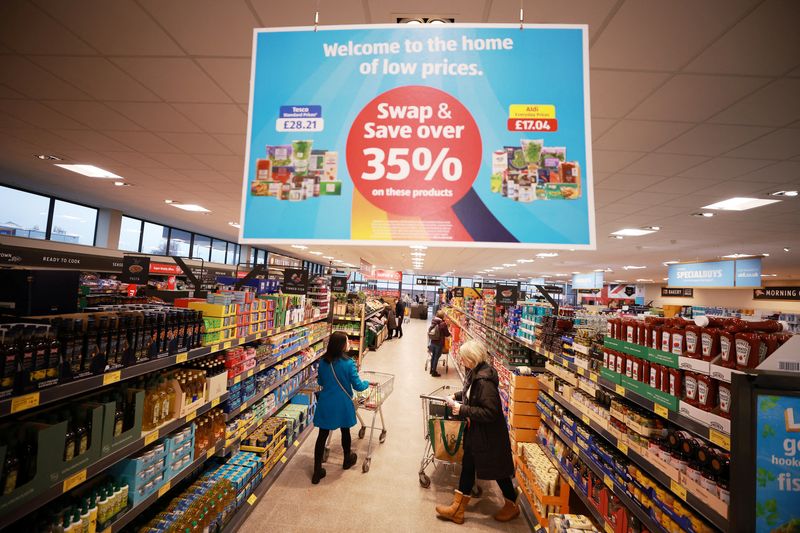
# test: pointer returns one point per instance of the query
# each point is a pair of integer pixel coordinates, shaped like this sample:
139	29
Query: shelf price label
182	357
581	371
251	500
660	410
622	447
164	489
191	416
210	453
678	489
23	403
214	402
110	378
74	480
150	438
296	444
283	459
720	439
607	480
619	389
608	527
593	376
586	420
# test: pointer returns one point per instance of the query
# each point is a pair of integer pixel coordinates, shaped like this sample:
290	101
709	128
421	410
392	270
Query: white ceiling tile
93	114
223	162
642	34
232	74
36	114
47	36
647	199
696	201
143	141
630	182
604	196
600	126
780	144
774	105
50	143
97	77
156	117
712	139
733	188
695	98
8	92
205	175
215	118
663	164
92	140
196	143
234	143
662	211
114	28
779	172
180	161
174	79
612	161
591	12
725	168
614	93
766	42
330	12
33	81
681	185
135	160
207	27
166	174
639	135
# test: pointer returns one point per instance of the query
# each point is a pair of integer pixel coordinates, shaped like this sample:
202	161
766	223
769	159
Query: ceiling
692	102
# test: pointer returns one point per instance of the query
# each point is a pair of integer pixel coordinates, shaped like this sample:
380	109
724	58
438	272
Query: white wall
741	298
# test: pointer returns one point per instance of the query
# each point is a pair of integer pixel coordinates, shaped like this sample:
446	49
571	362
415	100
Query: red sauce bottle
692	339
655	337
675	382
664	379
678	341
709	343
747	346
770	342
690	388
666	339
655	376
621	358
706	392
724	395
642	333
631	331
727	348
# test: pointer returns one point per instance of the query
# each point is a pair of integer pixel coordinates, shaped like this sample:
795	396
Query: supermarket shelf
244	511
250	401
66	390
104	464
691	500
347	318
527	511
265	365
120	523
621	493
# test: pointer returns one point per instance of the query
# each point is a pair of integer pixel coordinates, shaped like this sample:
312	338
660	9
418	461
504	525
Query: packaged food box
330	166
280	155
261	188
330	188
562	191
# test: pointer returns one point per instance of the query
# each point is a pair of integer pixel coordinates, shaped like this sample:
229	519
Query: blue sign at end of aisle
592	280
748	272
301	111
710	274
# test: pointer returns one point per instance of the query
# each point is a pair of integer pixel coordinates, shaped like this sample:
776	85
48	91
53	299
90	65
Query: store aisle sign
592	280
507	294
777	293
387	134
295	281
716	274
387	275
675	292
338	284
135	269
777	462
625	292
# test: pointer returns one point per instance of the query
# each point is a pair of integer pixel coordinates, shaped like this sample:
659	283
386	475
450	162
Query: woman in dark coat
391	320
487	448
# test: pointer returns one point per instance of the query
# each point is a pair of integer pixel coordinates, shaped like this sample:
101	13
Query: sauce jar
727	350
692	339
747	347
706	392
709	343
690	388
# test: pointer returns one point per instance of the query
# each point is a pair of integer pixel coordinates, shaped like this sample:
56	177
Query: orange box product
524	421
524	395
261	188
263	170
282	174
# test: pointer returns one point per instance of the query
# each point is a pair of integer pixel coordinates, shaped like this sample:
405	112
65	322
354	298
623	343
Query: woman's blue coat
334	407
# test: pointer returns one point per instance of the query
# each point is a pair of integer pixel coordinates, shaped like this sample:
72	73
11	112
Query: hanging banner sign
135	269
387	275
295	281
21	256
777	293
674	292
592	280
415	134
429	281
716	274
366	269
507	294
748	272
338	284
625	292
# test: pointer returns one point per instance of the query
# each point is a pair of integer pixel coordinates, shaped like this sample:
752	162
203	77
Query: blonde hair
440	313
474	352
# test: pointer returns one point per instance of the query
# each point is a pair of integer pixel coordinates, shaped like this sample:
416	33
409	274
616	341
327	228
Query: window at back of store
202	247
24	214
179	242
218	251
73	223
129	232
154	239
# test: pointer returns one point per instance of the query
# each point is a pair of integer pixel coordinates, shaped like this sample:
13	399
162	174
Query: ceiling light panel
633	232
740	203
91	171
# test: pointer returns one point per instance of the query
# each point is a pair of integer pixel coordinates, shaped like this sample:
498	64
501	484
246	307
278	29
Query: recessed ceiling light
644	280
328	257
619	281
769	275
616	237
787	249
634	232
667	263
784	193
561	275
572	249
665	279
633	267
418	254
315	253
653	228
703	215
191	207
235	224
508	265
740	203
48	157
91	171
525	260
547	254
121	184
299	247
418	247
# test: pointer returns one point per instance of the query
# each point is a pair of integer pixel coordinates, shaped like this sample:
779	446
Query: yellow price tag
720	439
21	403
249	373
182	357
74	480
226	345
251	499
678	489
593	376
622	447
164	488
242	340
150	438
619	389
607	481
283	458
660	410
112	377
210	453
608	527
191	416
586	420
285	378
215	348
237	379
214	402
575	448
296	444
581	371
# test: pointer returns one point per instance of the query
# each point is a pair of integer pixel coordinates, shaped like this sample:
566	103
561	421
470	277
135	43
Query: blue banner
777	463
445	134
592	280
748	272
711	274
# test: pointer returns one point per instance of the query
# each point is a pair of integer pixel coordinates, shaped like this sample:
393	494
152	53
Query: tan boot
509	512
454	511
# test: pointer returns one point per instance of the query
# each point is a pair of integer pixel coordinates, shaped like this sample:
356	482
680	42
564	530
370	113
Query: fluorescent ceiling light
643	280
235	224
418	247
561	275
328	257
619	281
525	260
315	253
547	254
191	207
575	273
633	232
633	267
508	265
497	268
704	215
91	171
736	256
768	275
784	193
740	203
299	247
340	261
667	263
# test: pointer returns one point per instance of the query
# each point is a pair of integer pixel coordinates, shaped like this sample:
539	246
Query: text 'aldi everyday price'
386	134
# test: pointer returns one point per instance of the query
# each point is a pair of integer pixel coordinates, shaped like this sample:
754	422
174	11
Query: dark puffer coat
486	437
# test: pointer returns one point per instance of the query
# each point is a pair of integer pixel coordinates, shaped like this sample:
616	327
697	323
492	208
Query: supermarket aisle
389	497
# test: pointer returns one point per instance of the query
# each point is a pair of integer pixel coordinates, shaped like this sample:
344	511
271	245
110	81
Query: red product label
691	342
724	398
654	375
621	364
742	352
531	124
691	388
665	341
677	343
629	333
629	367
705	342
725	348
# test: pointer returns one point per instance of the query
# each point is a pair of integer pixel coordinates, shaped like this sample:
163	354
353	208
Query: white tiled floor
388	498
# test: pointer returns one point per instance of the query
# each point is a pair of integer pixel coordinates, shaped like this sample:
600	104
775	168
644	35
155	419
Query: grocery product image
295	173
533	171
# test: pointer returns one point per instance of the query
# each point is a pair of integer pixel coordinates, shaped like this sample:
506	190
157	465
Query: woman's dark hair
336	346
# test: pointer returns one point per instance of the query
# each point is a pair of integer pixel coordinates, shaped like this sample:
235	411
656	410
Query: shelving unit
359	319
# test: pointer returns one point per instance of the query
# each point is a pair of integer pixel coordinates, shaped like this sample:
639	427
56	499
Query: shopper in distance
437	332
399	313
391	320
338	377
487	448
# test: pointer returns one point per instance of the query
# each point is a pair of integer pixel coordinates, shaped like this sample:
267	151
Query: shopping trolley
371	399
442	360
434	406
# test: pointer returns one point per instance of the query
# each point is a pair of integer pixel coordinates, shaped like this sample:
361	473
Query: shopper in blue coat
338	377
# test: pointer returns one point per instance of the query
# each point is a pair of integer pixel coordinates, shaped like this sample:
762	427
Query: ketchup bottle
655	337
655	376
642	333
724	395
747	346
709	343
690	388
675	382
692	339
666	339
678	341
631	331
706	393
727	348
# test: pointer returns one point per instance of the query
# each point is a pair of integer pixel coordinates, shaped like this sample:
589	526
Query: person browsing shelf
437	332
338	376
487	447
399	313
